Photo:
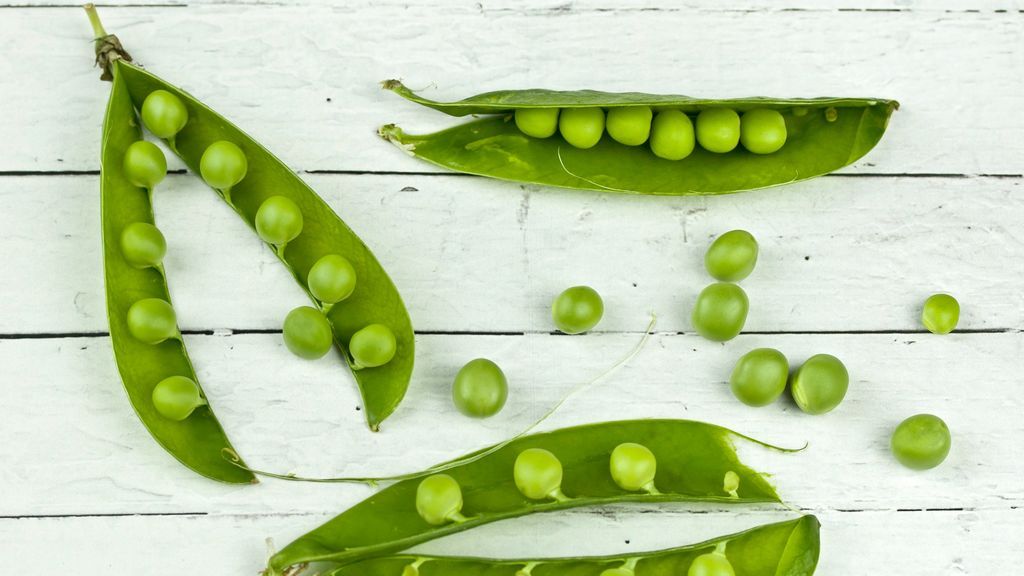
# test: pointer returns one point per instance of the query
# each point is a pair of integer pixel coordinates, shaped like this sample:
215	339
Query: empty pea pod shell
824	134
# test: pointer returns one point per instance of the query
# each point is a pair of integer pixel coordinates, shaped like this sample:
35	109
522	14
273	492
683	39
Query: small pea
921	442
629	125
762	131
672	135
144	164
373	346
176	397
633	467
307	333
720	311
331	279
164	114
617	572
732	256
731	484
831	114
581	127
278	220
711	564
480	388
439	500
718	129
820	384
537	122
152	320
577	309
223	165
940	314
800	111
759	376
142	245
538	474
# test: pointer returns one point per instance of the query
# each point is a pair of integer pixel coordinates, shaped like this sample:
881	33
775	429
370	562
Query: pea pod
822	135
694	462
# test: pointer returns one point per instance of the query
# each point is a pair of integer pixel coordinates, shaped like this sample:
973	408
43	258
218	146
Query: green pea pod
824	134
695	462
787	548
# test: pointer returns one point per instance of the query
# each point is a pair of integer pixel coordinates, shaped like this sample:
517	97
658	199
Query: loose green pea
373	346
331	279
820	384
144	164
629	125
538	474
759	376
164	114
142	245
223	165
940	314
633	467
537	122
279	220
672	135
921	442
732	256
720	311
152	320
577	309
176	397
581	127
762	131
718	129
617	572
307	333
480	388
439	500
711	564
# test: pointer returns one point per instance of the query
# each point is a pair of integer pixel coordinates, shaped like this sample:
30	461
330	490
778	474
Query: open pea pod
694	461
821	135
787	548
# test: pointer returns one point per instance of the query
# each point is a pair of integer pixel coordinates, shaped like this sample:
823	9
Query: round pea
820	384
144	164
307	333
732	256
439	499
711	564
720	311
331	279
577	309
759	376
762	131
672	135
538	474
480	388
940	314
718	129
581	127
164	114
633	467
176	397
223	165
373	346
142	244
537	122
617	572
279	220
152	320
629	125
921	442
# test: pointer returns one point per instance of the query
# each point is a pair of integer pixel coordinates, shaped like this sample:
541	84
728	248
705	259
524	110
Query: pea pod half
685	461
820	135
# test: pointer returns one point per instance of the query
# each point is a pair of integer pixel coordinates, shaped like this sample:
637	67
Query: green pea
144	164
537	122
307	333
711	564
617	572
142	245
581	127
672	135
439	500
176	397
940	314
577	309
223	165
759	376
372	346
279	220
720	311
732	256
480	388
633	467
152	320
921	442
762	131
820	384
538	474
718	129
164	114
629	125
331	279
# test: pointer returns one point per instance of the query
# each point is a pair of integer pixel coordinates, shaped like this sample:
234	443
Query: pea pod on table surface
694	145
